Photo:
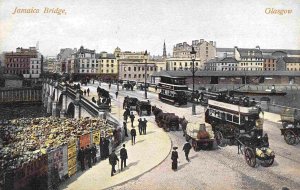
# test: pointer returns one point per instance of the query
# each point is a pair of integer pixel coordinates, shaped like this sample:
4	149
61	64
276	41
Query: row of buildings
127	65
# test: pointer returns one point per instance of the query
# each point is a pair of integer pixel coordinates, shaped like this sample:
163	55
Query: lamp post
193	69
118	62
146	57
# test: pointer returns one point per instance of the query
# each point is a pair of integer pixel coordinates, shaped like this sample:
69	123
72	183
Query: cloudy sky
136	25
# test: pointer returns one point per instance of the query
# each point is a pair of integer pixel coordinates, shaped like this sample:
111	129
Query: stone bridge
62	100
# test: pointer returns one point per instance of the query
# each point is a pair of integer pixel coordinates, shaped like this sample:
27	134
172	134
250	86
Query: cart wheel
267	163
290	137
219	138
250	157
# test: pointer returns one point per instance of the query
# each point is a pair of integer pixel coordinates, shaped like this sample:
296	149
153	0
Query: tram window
222	115
235	119
217	114
229	117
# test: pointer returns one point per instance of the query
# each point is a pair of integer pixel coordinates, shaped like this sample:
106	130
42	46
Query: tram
172	90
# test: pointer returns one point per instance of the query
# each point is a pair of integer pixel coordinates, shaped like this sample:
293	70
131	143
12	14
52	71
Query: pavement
149	151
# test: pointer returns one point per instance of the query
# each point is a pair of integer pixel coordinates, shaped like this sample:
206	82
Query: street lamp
146	57
193	70
118	62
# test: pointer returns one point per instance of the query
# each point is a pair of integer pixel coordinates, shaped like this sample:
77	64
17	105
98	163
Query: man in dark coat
186	148
140	125
123	155
88	155
174	158
113	158
106	148
98	89
117	94
94	152
144	126
133	134
125	116
125	128
88	92
132	118
81	158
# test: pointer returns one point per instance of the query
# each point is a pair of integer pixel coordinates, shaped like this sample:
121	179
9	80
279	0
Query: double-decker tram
229	120
172	90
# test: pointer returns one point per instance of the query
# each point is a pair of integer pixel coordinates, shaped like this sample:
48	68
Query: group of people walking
174	156
113	159
87	156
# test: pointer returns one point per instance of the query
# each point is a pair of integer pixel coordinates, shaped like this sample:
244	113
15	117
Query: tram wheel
290	137
250	157
219	138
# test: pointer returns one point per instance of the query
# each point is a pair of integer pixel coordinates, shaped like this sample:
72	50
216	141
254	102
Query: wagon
200	135
131	102
143	107
256	147
290	119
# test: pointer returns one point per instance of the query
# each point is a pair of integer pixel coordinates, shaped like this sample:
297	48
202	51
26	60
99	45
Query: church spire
164	51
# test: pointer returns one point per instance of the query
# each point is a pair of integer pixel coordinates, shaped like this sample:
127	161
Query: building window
174	63
87	65
107	65
124	75
129	68
186	64
129	75
82	71
134	76
107	61
139	68
196	63
151	68
112	65
139	75
82	65
112	71
112	61
143	75
93	65
134	68
107	71
96	65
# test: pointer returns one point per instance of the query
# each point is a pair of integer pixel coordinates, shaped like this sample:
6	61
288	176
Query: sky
137	25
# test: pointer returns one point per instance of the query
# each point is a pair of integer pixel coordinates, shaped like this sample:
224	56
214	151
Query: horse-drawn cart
199	135
254	146
291	126
143	108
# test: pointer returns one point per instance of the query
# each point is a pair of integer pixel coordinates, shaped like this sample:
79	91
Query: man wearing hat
186	148
123	155
174	158
133	134
113	158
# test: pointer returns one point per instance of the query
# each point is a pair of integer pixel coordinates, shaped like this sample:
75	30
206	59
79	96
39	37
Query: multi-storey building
19	62
49	64
132	65
224	64
63	60
85	61
181	59
288	64
249	59
269	63
108	64
36	66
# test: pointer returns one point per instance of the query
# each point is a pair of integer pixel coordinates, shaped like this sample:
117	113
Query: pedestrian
117	94
101	146
186	148
123	155
94	152
88	92
133	134
125	128
125	116
81	158
140	125
88	156
106	148
109	86
144	126
93	81
113	158
132	118
109	101
174	158
84	92
98	89
183	124
155	88
93	99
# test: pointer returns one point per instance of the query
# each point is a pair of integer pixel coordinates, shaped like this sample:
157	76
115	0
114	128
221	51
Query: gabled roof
228	60
246	53
291	59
